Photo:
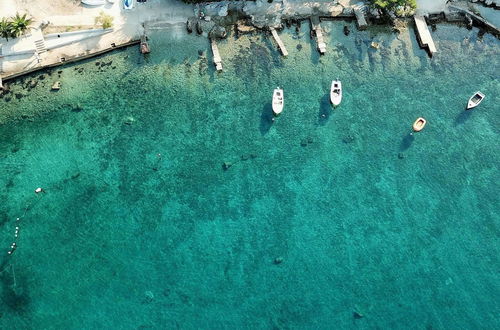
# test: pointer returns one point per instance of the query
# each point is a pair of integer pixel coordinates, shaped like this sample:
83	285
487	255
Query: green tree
19	25
5	28
393	4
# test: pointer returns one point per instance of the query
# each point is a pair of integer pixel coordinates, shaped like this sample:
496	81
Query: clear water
141	227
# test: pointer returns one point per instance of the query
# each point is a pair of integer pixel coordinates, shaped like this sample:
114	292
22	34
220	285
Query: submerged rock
348	138
346	30
218	32
129	120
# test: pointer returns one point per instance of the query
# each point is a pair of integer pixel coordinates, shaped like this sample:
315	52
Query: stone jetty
423	34
280	43
319	34
217	58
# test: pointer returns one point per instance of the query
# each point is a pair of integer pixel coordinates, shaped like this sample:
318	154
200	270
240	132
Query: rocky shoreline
215	19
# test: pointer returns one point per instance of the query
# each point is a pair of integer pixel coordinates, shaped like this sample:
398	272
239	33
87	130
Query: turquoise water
326	218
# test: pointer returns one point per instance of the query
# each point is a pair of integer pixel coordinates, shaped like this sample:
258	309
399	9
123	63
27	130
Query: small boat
419	124
278	101
93	2
336	92
128	4
475	100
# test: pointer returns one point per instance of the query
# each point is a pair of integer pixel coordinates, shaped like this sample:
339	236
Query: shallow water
141	227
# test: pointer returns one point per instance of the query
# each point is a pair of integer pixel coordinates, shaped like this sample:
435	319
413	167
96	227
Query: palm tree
5	28
19	24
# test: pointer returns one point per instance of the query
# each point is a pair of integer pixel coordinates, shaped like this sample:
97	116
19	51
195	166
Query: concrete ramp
424	35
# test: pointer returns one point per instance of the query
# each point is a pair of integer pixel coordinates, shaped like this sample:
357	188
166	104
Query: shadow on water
462	117
407	141
325	109
266	119
12	293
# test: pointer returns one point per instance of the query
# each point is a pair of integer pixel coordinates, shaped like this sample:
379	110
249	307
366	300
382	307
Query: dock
217	58
359	12
280	43
319	34
423	34
144	47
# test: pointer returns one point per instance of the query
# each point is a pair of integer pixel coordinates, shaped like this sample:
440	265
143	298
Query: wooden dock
217	58
423	34
319	34
280	43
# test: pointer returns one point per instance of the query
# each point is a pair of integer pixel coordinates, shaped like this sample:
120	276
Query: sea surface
172	200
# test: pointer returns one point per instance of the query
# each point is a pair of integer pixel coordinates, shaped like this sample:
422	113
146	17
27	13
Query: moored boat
278	101
93	2
419	124
336	92
128	4
475	100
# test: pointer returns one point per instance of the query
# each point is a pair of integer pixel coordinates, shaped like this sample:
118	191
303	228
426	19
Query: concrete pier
280	43
217	58
359	11
479	20
319	34
423	34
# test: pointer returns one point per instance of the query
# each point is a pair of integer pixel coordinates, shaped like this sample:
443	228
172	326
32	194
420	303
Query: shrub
105	20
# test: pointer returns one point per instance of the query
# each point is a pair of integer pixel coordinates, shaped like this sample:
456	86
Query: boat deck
424	34
280	43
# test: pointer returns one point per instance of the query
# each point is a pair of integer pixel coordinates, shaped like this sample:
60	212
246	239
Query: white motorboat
128	4
475	100
336	92
94	2
278	101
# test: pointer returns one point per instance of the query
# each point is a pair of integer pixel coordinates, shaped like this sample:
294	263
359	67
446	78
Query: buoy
38	190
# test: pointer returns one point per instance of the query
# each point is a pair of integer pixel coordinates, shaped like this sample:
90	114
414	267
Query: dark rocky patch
348	138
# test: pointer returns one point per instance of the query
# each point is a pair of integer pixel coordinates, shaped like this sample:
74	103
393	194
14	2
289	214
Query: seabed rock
149	296
129	120
218	32
348	138
346	30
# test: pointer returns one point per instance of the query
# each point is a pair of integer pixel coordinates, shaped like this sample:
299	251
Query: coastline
212	20
359	216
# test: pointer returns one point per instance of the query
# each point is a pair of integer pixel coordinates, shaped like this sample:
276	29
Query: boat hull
419	124
94	2
128	4
278	101
336	92
475	100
